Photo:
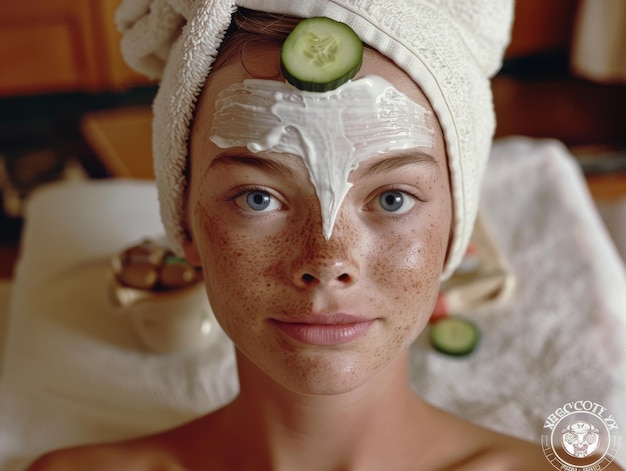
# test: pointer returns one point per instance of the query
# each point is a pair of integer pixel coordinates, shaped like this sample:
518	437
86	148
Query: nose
336	274
326	263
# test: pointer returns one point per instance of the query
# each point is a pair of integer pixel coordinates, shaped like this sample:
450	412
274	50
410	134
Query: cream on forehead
332	132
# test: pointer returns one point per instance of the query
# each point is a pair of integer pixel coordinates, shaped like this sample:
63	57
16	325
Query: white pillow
74	372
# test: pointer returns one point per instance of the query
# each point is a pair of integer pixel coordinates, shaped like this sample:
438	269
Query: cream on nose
333	262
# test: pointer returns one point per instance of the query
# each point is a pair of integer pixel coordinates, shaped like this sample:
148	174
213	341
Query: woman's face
319	316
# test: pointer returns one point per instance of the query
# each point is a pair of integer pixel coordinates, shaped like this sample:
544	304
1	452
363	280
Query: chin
330	372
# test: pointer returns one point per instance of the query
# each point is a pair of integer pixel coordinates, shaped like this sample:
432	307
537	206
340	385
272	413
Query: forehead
327	138
262	61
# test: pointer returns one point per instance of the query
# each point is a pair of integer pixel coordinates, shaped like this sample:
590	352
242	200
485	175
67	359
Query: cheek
417	254
239	269
409	269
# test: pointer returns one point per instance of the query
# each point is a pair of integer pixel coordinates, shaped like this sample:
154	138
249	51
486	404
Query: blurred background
71	109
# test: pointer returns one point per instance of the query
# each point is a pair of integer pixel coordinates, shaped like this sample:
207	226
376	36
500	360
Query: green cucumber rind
310	78
440	329
310	86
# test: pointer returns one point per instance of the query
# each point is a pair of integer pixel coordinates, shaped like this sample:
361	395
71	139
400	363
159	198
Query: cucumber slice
321	54
454	335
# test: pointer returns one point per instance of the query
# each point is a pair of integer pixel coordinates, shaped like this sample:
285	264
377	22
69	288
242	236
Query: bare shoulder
105	457
498	452
502	452
163	451
475	448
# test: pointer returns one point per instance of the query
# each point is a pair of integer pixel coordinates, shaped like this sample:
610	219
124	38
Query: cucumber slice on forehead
321	54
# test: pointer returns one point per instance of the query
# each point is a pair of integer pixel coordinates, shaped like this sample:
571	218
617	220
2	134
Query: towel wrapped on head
449	48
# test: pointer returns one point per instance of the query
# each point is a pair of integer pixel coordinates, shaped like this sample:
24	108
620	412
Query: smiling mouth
325	330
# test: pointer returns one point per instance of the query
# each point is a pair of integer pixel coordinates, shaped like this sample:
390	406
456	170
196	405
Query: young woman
321	266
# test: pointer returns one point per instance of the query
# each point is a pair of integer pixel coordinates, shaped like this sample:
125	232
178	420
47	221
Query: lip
332	329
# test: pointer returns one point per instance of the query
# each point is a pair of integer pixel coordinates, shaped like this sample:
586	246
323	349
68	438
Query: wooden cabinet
66	45
61	45
541	26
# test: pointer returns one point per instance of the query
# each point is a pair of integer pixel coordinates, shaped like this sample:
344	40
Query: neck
338	431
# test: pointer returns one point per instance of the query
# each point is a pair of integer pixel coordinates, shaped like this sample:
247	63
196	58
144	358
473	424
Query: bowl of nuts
164	297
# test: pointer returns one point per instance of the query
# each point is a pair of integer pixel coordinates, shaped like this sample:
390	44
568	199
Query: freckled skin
376	267
260	283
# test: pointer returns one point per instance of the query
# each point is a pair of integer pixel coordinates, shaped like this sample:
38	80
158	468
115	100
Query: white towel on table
74	373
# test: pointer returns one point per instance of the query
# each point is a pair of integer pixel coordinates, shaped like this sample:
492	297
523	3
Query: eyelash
249	189
405	190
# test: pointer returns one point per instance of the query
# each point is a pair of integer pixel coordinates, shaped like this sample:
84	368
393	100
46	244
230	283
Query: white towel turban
449	47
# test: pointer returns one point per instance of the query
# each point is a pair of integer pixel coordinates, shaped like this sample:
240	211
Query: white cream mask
332	132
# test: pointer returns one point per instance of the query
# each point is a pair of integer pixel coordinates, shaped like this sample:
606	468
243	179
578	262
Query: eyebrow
241	158
399	160
396	161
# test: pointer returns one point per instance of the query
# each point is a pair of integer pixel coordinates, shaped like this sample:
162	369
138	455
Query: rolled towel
449	48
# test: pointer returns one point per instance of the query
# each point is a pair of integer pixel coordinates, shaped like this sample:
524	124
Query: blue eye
257	201
391	200
396	202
